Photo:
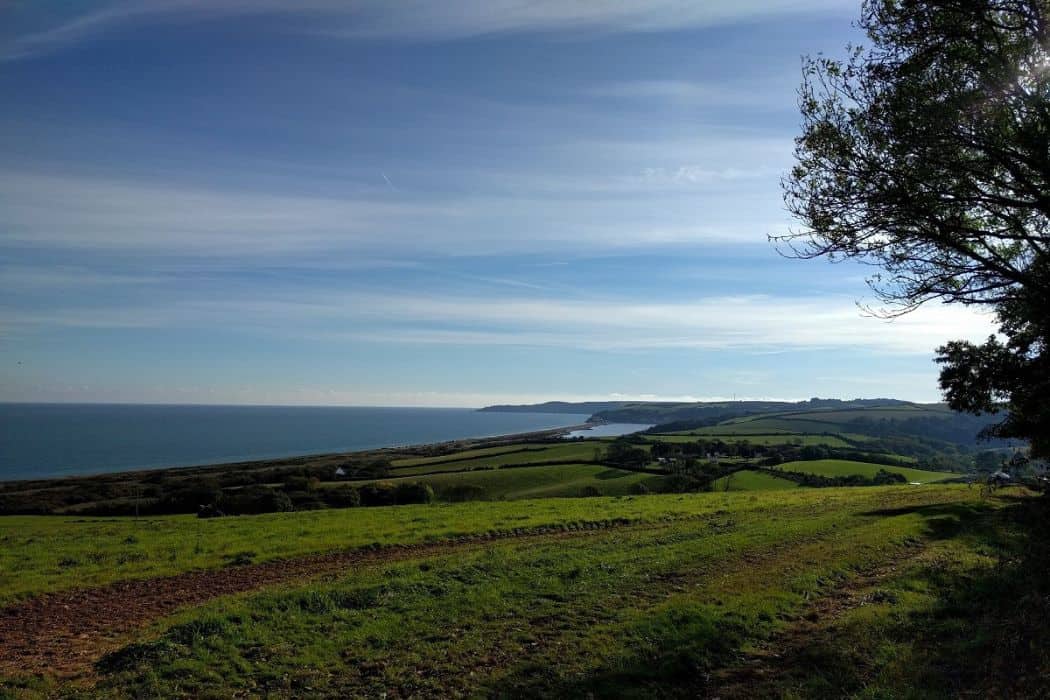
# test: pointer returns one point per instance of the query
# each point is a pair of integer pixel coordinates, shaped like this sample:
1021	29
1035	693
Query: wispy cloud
119	215
688	92
744	323
419	19
449	20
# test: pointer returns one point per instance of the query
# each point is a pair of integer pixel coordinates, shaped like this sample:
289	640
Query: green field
783	438
563	480
46	553
752	480
782	423
735	428
466	454
569	452
884	413
671	595
843	467
554	579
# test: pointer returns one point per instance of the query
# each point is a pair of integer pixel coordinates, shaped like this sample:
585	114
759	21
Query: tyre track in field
762	672
62	634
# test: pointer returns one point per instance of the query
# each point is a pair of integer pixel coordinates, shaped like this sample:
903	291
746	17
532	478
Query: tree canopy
927	155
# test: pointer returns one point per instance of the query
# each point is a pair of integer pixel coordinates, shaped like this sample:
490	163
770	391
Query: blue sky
419	203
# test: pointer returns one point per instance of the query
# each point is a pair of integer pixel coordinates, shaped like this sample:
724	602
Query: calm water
610	430
44	440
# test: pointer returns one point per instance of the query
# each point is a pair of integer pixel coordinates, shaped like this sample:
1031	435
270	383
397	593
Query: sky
418	203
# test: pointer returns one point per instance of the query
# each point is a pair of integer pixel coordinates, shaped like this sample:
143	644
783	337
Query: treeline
880	478
311	496
956	428
206	498
232	491
768	455
694	415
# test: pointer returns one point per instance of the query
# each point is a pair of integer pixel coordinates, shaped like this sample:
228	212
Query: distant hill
881	418
724	410
669	411
588	407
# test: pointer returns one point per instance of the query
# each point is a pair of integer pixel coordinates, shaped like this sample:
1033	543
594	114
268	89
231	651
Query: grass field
843	467
48	553
569	452
563	480
783	423
885	413
783	438
734	427
752	480
678	600
467	454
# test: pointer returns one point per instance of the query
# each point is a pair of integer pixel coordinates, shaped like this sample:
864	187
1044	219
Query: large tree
927	155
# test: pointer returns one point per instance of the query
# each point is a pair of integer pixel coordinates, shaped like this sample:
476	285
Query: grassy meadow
498	457
844	467
671	564
784	438
752	480
47	553
683	597
558	481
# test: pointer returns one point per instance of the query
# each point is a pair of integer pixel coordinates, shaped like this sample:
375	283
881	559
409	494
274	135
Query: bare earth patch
63	634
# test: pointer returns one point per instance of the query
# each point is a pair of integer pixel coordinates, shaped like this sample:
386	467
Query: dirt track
762	671
63	634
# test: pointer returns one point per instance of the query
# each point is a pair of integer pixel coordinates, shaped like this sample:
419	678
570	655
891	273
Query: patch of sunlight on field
844	467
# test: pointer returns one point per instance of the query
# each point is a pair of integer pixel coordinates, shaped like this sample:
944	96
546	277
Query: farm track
63	634
762	672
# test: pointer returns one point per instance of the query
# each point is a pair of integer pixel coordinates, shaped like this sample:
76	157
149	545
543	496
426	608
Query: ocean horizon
45	440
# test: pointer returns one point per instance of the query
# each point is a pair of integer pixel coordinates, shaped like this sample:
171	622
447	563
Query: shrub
381	494
296	482
342	497
885	477
251	500
189	496
415	492
377	468
210	512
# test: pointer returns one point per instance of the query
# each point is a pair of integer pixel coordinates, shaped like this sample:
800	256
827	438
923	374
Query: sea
51	440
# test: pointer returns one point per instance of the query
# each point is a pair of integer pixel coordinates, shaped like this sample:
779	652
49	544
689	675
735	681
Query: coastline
432	449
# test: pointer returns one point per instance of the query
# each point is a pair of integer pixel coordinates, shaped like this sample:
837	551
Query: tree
927	155
622	454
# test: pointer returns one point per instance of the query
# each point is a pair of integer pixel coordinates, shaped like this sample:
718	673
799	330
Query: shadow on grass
979	523
612	474
989	633
987	630
982	631
675	652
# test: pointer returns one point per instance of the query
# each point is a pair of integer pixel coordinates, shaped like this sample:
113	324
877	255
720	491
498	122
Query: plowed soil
63	634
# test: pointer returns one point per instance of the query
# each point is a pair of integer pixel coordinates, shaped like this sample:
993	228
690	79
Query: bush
377	469
622	454
252	500
343	497
884	477
308	500
590	492
414	492
296	482
209	511
190	496
381	494
685	483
